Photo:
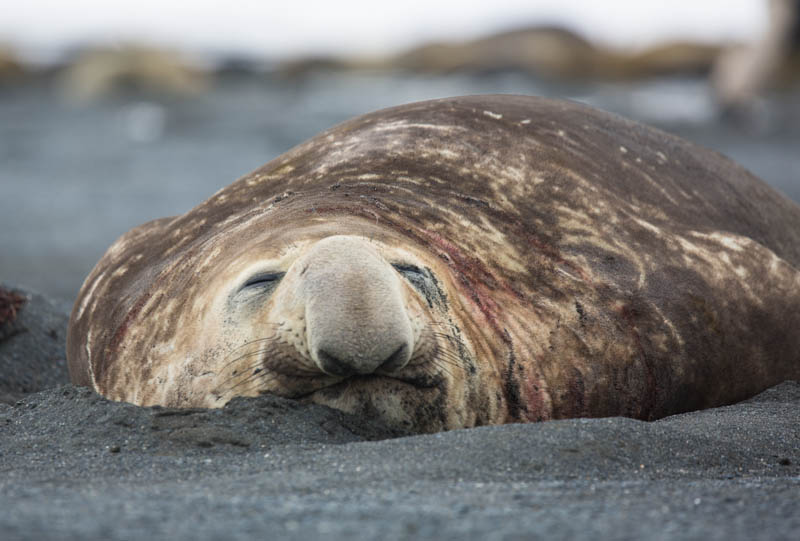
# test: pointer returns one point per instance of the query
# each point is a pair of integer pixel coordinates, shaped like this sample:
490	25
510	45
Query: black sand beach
78	467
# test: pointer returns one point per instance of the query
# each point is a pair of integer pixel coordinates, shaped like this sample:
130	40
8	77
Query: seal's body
459	262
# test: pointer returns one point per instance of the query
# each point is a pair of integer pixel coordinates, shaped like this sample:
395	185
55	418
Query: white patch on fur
402	124
447	153
647	225
89	363
731	242
89	294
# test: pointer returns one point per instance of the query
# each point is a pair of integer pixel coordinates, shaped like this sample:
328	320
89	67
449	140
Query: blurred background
113	113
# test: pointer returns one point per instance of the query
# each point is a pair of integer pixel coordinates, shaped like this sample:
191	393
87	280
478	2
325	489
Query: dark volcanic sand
76	466
32	343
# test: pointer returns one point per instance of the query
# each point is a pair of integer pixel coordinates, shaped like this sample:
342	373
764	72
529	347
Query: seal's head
357	321
331	309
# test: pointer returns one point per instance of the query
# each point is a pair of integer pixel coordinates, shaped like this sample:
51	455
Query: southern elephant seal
459	262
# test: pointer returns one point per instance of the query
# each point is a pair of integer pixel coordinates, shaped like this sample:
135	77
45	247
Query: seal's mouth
362	383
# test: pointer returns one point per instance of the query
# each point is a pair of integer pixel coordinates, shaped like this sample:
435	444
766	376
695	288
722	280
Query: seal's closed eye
408	270
251	295
421	279
263	279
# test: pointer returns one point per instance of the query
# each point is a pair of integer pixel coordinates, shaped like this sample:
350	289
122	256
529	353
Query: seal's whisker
454	337
250	366
257	375
443	324
250	343
434	369
257	340
442	329
269	360
448	350
255	353
451	344
447	347
448	360
442	366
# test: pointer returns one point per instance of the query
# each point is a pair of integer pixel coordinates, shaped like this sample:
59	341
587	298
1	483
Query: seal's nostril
395	361
333	366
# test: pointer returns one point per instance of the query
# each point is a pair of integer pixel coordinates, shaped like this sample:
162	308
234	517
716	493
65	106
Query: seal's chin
403	404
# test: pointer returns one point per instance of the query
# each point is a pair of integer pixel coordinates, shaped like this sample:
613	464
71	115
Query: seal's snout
350	367
356	320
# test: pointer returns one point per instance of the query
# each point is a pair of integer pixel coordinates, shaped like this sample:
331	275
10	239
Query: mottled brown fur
591	266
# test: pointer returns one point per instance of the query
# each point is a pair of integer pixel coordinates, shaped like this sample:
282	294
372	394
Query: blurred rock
32	343
11	67
673	58
100	72
546	51
741	74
